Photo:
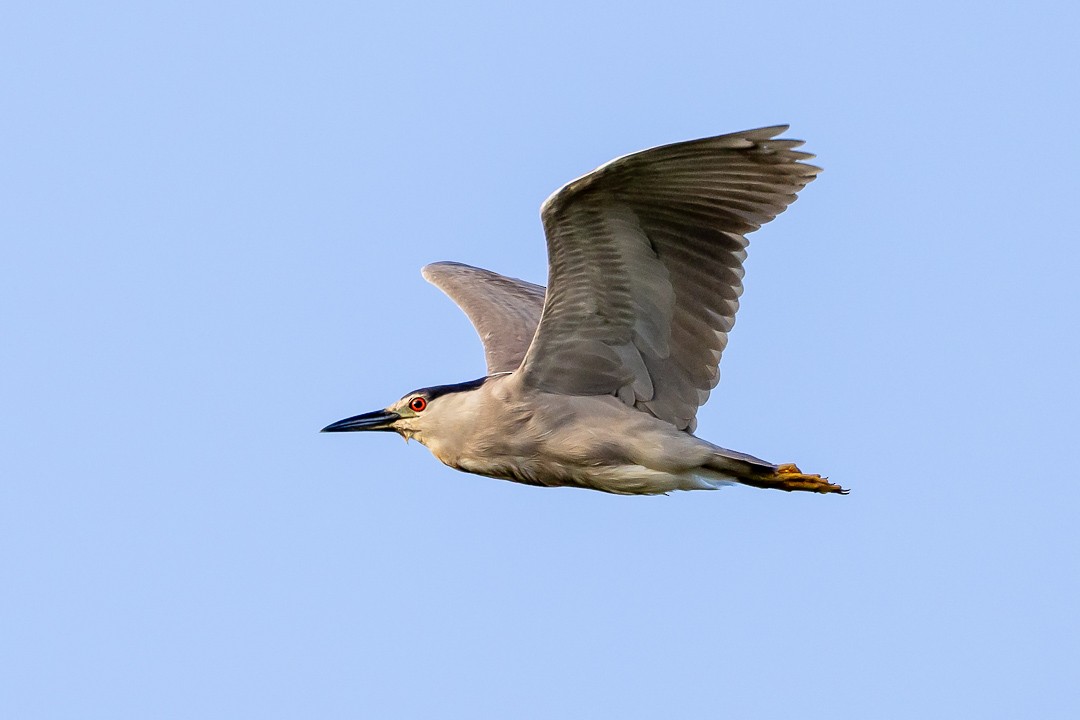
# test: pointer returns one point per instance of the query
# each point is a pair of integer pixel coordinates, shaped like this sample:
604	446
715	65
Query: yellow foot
789	477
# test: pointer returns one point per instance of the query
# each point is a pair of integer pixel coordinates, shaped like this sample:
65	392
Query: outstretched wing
645	268
504	310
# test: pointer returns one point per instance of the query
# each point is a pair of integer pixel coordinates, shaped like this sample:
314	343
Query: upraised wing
645	268
505	311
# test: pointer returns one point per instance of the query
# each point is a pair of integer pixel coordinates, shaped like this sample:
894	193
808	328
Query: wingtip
431	269
768	132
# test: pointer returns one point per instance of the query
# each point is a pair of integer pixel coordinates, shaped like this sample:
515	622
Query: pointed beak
378	420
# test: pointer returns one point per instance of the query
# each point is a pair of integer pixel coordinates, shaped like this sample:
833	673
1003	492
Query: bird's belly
622	480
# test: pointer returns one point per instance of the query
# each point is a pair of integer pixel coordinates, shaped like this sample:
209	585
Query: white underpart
640	480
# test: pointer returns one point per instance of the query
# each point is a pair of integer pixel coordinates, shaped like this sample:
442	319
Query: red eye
417	404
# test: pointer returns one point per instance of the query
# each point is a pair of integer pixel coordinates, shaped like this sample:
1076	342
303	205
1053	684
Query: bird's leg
789	477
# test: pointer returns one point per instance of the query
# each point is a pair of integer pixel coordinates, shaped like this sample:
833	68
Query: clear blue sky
212	220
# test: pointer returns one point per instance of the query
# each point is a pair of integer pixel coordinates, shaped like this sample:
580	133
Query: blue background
212	220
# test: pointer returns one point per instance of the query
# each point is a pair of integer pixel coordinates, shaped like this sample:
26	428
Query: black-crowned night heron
596	382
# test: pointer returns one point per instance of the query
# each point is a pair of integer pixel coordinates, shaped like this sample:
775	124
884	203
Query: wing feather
505	311
646	264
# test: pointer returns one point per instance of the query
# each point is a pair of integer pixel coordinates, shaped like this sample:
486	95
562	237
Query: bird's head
412	415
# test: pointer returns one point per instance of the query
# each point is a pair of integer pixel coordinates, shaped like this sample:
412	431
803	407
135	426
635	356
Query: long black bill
378	420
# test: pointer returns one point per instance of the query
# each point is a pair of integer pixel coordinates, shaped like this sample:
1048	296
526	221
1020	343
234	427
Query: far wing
505	311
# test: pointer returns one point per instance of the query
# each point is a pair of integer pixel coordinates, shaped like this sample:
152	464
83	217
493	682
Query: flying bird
595	382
